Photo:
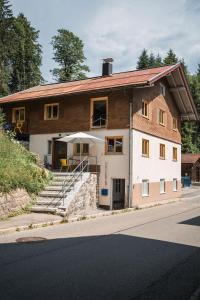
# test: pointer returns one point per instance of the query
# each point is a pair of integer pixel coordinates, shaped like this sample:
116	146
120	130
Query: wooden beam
178	89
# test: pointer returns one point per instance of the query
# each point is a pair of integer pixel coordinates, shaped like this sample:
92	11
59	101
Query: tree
152	60
188	138
6	47
2	119
158	61
143	60
68	53
26	59
171	58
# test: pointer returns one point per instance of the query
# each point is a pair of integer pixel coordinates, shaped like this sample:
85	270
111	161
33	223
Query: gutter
130	162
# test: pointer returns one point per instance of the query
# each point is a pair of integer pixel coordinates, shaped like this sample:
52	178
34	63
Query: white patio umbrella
80	137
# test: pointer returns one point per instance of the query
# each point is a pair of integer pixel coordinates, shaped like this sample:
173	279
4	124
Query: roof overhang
179	87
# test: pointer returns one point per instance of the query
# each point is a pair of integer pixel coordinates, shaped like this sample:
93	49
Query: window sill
174	160
161	124
175	191
162	193
175	129
146	156
146	117
114	153
145	196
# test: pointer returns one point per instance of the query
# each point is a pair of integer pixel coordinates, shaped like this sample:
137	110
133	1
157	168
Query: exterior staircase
51	199
69	192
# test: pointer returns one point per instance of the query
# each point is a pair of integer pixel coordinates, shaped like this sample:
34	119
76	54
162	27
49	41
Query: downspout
130	163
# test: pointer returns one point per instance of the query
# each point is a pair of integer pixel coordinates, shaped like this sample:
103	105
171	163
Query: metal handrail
75	175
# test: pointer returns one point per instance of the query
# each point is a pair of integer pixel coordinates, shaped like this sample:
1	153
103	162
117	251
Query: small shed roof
190	158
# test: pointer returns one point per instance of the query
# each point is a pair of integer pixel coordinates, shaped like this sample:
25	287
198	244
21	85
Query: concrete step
63	174
44	209
50	194
57	188
49	202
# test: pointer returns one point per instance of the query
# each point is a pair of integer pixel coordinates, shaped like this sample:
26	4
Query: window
161	117
114	145
145	188
49	147
174	187
51	111
162	89
162	151
99	112
175	155
18	114
145	147
162	186
81	149
174	124
145	109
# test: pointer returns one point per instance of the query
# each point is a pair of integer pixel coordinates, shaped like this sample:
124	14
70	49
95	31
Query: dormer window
175	124
161	117
162	89
99	112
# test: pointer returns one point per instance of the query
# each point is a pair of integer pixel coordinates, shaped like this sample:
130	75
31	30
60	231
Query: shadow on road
194	221
99	267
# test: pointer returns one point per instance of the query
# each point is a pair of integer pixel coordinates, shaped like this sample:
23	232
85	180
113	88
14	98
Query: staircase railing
74	176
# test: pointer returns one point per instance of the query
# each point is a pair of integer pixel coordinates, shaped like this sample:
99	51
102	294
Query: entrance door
59	151
118	193
197	174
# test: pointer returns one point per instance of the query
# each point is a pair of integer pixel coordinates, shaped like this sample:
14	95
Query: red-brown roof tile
137	77
189	158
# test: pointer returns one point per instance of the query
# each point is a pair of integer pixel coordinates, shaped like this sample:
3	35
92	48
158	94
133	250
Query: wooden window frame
113	138
175	154
162	149
163	114
92	100
145	102
145	180
162	89
14	117
147	142
174	120
81	148
45	111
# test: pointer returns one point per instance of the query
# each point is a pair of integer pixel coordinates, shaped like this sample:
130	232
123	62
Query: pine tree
143	60
198	70
6	46
68	53
152	60
26	58
171	58
189	138
158	61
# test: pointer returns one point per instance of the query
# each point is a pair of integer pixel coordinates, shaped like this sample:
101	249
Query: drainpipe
130	163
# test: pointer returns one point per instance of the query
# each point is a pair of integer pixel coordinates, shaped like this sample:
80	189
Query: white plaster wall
154	168
112	166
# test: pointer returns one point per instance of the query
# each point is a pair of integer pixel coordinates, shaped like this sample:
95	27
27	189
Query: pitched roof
175	76
137	77
190	158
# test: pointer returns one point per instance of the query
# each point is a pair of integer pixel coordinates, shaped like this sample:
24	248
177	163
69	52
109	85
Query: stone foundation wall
13	201
84	197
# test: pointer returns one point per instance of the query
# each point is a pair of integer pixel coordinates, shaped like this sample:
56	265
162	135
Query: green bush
18	168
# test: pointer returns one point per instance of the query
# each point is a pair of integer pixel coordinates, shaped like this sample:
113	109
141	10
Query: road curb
83	217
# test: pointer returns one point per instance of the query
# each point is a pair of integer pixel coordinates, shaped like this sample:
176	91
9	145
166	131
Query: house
191	166
137	113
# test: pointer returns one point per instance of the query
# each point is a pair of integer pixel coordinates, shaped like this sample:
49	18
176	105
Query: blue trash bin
186	181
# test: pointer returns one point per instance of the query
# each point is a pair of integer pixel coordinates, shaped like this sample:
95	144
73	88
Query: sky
120	29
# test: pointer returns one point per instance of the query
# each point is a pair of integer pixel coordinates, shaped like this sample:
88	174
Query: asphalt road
147	254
